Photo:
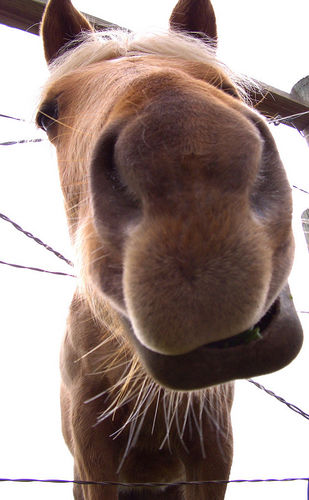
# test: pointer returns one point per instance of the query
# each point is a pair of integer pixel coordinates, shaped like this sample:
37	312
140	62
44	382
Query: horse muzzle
277	344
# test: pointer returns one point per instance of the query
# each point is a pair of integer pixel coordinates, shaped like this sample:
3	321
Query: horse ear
195	17
61	23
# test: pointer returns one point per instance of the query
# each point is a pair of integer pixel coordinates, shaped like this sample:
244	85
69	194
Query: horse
179	211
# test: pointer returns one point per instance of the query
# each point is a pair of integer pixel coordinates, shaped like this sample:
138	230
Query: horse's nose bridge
180	137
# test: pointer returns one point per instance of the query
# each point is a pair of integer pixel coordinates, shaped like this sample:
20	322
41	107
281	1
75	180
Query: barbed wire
36	239
12	118
60	256
154	484
278	120
138	485
279	398
19	266
23	141
300	189
291	406
55	252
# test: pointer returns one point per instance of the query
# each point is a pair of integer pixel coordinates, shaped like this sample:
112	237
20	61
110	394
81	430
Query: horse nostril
115	206
104	164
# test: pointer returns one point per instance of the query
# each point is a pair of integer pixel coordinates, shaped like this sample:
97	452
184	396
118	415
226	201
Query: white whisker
130	438
179	399
93	350
156	409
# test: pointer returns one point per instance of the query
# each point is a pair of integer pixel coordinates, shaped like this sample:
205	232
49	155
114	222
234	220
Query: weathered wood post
301	92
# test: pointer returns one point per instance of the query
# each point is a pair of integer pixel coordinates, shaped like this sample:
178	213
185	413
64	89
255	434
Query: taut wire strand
300	189
23	141
281	119
279	398
37	240
12	117
18	266
278	120
153	485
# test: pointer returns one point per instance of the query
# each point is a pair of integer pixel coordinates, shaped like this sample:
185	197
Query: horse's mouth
253	334
270	345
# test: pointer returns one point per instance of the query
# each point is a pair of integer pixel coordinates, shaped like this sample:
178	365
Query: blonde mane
94	47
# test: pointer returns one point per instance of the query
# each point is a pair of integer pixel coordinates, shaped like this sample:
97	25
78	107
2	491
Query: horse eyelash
50	110
47	115
231	91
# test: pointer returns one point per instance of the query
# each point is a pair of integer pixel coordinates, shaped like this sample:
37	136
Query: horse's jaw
277	343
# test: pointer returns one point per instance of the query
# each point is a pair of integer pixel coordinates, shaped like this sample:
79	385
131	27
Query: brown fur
180	214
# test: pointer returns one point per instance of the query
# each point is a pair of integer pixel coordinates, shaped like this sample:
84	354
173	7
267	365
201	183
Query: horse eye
229	89
47	115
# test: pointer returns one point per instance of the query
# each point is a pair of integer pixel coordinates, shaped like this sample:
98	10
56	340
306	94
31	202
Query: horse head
177	200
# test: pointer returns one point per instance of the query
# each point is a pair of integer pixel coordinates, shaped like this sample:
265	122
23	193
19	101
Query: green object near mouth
252	334
244	338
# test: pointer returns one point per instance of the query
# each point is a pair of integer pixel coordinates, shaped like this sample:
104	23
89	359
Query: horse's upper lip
280	341
254	334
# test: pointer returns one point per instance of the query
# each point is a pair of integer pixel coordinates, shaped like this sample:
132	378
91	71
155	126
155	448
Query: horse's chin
269	346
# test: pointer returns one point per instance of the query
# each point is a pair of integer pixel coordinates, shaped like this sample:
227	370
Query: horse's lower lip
215	364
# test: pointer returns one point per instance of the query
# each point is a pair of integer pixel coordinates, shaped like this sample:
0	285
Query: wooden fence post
301	92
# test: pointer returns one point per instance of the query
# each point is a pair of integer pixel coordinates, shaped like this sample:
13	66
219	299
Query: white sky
267	40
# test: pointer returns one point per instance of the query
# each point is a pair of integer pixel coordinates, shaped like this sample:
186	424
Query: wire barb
278	120
23	141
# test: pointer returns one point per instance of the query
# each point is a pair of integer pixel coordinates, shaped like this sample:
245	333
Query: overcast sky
267	40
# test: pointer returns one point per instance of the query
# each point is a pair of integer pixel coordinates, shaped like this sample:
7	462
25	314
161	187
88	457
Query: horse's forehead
174	80
142	70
